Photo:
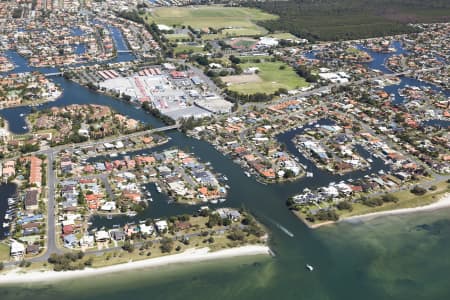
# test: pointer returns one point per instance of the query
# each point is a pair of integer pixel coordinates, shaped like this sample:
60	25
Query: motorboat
247	174
309	267
309	174
131	213
5	225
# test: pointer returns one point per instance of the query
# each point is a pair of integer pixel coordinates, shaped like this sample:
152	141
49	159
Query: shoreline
443	202
16	276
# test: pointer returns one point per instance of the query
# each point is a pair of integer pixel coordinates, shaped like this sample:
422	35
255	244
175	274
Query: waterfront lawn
272	79
235	21
406	199
120	256
4	252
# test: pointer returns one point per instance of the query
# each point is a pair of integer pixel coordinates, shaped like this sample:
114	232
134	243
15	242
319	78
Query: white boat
221	200
24	127
5	225
309	174
370	160
113	155
131	213
247	174
214	201
225	178
309	267
21	115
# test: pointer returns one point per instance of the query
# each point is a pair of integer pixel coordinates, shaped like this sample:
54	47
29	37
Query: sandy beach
189	256
441	203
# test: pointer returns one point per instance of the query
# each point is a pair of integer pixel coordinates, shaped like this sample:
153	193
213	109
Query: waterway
6	191
389	258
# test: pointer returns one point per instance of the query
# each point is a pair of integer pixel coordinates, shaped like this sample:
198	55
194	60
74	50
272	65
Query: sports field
272	79
235	21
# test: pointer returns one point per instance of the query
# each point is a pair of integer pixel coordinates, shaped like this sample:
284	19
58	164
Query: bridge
53	74
109	139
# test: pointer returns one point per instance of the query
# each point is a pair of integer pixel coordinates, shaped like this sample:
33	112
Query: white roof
17	247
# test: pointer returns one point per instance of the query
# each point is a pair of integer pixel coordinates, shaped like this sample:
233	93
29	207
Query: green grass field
187	48
272	79
173	37
236	21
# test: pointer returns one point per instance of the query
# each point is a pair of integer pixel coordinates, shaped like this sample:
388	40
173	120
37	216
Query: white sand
441	203
191	255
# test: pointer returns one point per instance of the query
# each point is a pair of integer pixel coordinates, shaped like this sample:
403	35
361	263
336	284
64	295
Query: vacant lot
233	21
273	76
242	79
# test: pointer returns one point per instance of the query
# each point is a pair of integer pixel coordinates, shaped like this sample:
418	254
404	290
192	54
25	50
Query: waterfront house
70	241
31	200
161	225
17	250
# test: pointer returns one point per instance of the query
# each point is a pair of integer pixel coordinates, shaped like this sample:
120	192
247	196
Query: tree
389	198
166	245
417	190
344	205
127	246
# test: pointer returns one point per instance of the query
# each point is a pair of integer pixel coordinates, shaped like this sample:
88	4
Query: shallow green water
402	257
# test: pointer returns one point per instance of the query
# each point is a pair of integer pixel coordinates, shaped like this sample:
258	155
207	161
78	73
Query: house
87	241
161	225
17	249
101	236
117	235
32	249
144	229
31	200
70	241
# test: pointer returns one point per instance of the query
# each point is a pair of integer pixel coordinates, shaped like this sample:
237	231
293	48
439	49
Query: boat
247	174
131	213
5	225
22	115
214	201
24	127
227	186
370	160
109	217
309	174
225	178
113	155
309	267
150	199
221	200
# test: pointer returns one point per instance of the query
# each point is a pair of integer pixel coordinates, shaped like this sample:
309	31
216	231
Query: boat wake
282	228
